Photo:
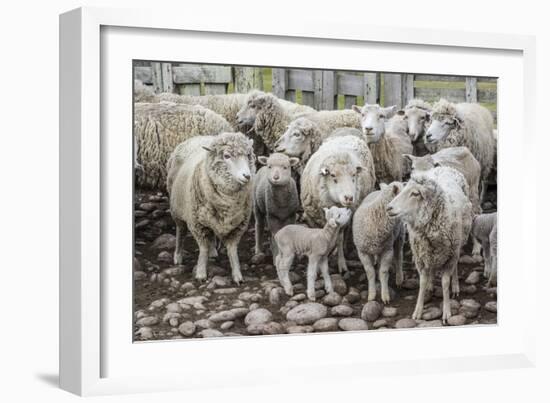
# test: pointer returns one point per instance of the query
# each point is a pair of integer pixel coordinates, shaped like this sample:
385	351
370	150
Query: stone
275	295
253	306
225	291
219	282
405	323
140	275
273	328
169	316
174	307
469	289
338	284
466	259
258	258
371	311
432	313
222	316
164	256
142	223
145	333
187	328
431	323
250	296
389	312
164	242
257	317
380	323
410	284
147	321
491	306
199	299
341	310
255	329
204	324
299	329
299	297
210	333
326	325
148	206
473	278
332	299
457	320
307	314
352	297
351	324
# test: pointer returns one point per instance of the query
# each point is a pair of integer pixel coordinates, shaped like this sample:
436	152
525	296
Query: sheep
435	207
142	92
340	173
315	243
160	127
417	114
267	117
484	230
387	147
465	124
275	197
379	238
210	189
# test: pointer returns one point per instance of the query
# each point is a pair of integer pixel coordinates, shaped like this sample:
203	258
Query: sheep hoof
238	278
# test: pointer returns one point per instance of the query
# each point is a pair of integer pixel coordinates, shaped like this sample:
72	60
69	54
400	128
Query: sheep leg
419	309
368	265
342	265
486	259
202	262
493	276
259	232
398	259
476	246
483	191
384	273
312	267
445	282
181	230
274	226
454	278
283	263
326	275
233	256
213	252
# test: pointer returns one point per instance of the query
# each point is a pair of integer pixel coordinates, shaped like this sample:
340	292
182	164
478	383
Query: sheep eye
381	116
226	156
415	194
296	134
285	167
269	166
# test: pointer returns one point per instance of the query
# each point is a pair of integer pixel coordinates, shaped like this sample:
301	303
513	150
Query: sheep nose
368	130
246	176
348	199
276	177
389	209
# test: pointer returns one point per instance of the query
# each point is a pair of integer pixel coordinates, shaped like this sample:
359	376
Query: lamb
160	127
387	147
379	238
210	189
275	197
435	207
315	243
269	119
340	173
484	229
417	115
465	124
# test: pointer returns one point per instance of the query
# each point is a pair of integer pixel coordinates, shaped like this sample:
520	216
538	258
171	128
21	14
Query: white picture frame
97	355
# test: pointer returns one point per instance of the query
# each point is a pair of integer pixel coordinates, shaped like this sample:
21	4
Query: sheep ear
396	188
409	157
383	185
390	111
359	168
262	159
356	108
294	161
326	210
324	171
208	149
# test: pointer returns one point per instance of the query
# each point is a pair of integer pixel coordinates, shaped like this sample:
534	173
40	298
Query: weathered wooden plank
371	88
471	89
324	93
349	84
279	82
215	89
308	98
143	73
167	78
300	80
434	94
349	101
290	95
393	89
190	74
190	89
156	77
247	78
486	96
408	88
487	79
433	77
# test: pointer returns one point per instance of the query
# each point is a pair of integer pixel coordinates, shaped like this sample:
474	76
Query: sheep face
337	216
417	120
251	112
373	120
423	163
296	140
340	182
409	200
279	168
441	126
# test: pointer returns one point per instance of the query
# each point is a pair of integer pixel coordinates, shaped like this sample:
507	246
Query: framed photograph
251	204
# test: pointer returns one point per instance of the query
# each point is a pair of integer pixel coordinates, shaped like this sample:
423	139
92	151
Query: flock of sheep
341	171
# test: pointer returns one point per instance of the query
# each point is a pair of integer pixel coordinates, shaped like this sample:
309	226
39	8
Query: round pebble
389	311
350	324
341	310
210	333
332	299
306	314
257	317
187	328
491	306
326	325
457	320
405	323
371	311
432	313
473	278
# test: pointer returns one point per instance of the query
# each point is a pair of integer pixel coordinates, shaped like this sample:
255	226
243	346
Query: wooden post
408	89
161	75
279	81
156	77
323	88
371	88
247	78
393	89
308	98
349	101
471	89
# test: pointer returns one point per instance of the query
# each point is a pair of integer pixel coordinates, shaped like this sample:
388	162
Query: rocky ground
170	304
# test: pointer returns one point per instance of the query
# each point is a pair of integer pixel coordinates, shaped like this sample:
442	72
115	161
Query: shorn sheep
160	127
276	199
435	207
465	124
484	229
340	173
210	188
387	147
379	238
315	243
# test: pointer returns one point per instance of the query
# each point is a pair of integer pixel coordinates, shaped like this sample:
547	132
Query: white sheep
275	197
340	173
379	238
484	230
210	187
465	124
160	127
315	243
435	207
417	115
387	146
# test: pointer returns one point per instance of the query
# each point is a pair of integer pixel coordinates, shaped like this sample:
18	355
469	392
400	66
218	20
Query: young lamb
484	230
269	120
160	127
340	173
387	147
435	207
465	124
275	197
210	188
379	238
417	115
315	243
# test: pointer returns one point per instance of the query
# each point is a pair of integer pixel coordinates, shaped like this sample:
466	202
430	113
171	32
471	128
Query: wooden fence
321	89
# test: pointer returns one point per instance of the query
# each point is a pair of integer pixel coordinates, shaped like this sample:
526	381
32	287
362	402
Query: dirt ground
164	307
